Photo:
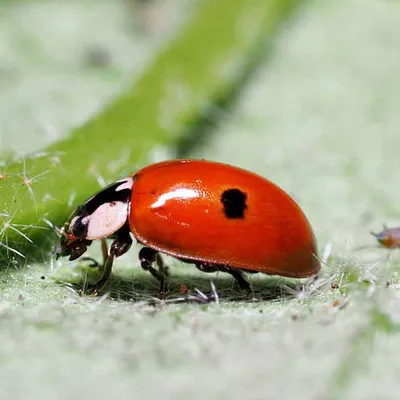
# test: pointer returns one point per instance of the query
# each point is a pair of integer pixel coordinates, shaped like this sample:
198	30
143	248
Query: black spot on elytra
234	202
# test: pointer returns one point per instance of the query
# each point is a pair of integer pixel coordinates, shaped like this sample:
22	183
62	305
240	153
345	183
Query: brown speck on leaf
335	303
339	304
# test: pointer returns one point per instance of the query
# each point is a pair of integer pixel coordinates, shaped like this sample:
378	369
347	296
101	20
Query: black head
73	241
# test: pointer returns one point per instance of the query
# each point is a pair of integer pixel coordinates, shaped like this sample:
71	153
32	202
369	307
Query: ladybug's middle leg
161	266
147	258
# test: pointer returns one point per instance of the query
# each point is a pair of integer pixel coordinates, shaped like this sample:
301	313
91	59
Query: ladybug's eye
78	227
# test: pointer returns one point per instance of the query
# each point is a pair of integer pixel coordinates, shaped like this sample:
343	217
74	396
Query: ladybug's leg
208	268
236	273
162	268
240	279
107	268
147	257
119	246
96	264
104	251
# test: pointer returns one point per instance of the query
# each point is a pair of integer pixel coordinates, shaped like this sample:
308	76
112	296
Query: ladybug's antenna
59	232
384	228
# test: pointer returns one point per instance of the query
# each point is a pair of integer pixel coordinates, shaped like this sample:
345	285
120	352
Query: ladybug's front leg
119	246
95	264
147	257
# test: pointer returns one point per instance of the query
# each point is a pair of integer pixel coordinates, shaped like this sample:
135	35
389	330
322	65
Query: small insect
216	216
389	237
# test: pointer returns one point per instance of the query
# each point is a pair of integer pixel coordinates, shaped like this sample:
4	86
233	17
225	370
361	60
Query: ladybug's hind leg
147	258
240	279
236	273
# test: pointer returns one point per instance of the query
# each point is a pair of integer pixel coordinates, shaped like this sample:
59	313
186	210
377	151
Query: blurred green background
308	97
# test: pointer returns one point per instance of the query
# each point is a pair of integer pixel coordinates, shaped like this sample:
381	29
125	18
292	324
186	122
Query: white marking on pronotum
107	219
178	193
125	184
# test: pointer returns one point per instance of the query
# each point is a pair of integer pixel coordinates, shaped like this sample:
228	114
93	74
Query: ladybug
389	237
216	216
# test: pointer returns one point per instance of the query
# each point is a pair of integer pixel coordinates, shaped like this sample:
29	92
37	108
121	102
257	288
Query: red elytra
217	216
177	209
